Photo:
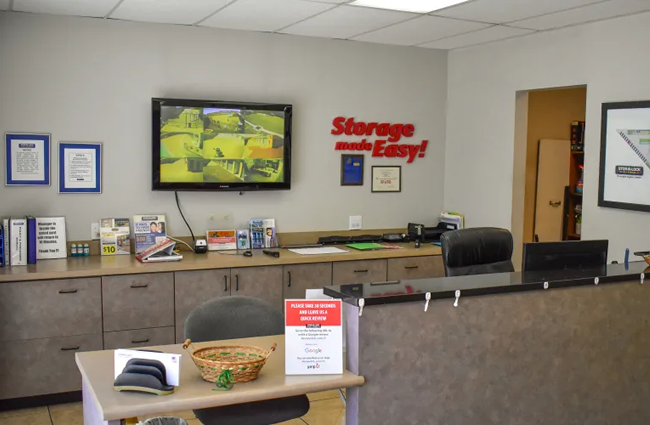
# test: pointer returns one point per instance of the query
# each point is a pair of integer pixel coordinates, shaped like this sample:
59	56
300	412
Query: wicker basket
244	362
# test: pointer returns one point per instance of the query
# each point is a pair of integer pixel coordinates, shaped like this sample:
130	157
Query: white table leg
92	414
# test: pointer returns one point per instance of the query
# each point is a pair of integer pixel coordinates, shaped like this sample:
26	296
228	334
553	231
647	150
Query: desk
103	405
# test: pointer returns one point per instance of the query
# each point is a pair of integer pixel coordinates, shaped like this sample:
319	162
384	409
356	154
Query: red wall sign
387	146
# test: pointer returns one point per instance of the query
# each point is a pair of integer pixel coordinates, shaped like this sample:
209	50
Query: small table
103	405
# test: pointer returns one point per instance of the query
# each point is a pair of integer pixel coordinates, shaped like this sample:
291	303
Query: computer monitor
569	255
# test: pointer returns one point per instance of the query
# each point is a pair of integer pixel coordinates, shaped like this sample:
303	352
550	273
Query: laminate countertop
94	266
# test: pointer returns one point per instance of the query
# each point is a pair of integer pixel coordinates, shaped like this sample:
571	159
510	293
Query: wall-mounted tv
214	145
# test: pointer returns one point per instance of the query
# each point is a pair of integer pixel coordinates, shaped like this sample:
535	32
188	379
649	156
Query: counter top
376	293
67	268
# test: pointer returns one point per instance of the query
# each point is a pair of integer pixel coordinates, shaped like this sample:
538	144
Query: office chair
242	317
480	250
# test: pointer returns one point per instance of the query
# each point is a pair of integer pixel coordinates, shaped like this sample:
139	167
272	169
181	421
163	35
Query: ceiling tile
498	32
167	11
502	11
346	21
264	15
420	30
594	12
4	4
95	8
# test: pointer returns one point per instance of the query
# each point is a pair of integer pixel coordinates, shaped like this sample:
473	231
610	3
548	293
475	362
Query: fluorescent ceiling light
417	6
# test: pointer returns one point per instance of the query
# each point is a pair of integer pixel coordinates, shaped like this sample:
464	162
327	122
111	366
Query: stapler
146	376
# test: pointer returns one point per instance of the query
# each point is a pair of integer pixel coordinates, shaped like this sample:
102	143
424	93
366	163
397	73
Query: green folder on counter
367	246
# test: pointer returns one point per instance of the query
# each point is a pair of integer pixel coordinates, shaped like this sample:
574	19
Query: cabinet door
139	338
259	282
138	301
299	278
194	288
415	268
48	309
348	272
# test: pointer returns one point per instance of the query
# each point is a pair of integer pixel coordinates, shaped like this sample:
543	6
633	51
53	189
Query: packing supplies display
50	238
148	230
161	252
243	239
115	236
219	240
31	240
262	233
18	243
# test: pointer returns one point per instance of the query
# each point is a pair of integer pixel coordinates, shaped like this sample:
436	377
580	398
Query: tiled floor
326	409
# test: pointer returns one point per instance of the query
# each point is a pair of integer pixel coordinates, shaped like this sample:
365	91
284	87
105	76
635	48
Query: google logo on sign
313	350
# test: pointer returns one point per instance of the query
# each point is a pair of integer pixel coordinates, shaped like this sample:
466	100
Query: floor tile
36	419
326	412
324	395
67	414
22	412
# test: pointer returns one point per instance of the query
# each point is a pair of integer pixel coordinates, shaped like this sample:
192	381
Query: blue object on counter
436	243
627	258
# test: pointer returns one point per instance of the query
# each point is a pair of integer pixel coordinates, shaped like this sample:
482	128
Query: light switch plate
94	231
356	222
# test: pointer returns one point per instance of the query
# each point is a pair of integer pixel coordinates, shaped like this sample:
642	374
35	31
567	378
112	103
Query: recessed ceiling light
417	6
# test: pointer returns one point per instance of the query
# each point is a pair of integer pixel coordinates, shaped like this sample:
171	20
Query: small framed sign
80	167
387	178
27	160
352	170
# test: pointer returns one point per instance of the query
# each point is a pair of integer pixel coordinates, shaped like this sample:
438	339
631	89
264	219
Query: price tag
109	250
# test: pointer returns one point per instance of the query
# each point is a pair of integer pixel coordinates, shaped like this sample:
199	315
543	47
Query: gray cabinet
258	282
43	366
53	308
194	288
139	338
299	278
415	268
347	272
138	301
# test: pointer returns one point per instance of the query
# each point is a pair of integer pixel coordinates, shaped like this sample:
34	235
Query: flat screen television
214	145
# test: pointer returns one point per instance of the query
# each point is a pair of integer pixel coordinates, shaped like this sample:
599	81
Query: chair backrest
479	250
232	318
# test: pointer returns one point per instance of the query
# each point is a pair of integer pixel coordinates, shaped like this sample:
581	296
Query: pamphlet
262	233
50	238
148	230
164	251
115	236
243	239
219	240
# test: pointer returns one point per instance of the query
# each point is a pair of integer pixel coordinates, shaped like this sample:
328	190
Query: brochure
148	230
163	251
262	233
115	236
243	239
219	240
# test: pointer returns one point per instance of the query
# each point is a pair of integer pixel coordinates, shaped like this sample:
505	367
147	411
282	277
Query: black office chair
242	317
480	250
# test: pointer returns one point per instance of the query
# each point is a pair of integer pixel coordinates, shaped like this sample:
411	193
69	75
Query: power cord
183	242
178	204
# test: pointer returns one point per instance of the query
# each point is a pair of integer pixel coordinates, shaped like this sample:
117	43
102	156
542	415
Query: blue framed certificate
27	160
80	167
352	170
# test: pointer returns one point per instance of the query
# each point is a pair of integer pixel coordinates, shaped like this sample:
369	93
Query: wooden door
300	277
259	282
552	177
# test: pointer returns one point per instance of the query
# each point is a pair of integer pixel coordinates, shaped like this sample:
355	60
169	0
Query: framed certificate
80	167
27	160
352	170
387	179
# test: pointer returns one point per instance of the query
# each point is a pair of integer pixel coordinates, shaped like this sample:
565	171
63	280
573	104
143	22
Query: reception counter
543	348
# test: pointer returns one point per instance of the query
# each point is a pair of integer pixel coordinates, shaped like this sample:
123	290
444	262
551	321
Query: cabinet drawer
52	308
346	272
415	268
194	288
299	278
139	338
138	301
258	282
43	366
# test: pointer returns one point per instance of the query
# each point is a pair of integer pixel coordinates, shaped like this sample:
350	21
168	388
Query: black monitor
569	255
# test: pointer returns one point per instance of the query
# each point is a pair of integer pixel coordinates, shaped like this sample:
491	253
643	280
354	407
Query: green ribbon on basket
225	381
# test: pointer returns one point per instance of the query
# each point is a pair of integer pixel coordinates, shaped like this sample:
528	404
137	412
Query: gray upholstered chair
242	317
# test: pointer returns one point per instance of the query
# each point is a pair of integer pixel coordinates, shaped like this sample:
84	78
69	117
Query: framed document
80	167
352	170
27	160
625	156
387	179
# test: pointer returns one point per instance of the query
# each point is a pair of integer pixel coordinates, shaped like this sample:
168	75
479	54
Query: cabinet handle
68	291
361	271
289	284
410	267
236	282
225	283
70	349
140	341
139	286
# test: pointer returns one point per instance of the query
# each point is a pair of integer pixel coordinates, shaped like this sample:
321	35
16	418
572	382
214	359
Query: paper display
313	337
28	160
115	236
172	362
50	238
219	240
148	230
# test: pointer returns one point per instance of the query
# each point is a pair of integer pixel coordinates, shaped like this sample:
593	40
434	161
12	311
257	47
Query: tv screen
211	145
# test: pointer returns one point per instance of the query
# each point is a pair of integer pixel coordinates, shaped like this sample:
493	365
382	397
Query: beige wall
550	113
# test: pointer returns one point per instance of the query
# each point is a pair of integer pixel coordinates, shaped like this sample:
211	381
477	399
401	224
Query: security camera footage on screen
214	145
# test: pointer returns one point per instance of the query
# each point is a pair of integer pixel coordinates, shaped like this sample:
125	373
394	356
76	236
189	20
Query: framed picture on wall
625	156
352	170
80	167
387	178
27	159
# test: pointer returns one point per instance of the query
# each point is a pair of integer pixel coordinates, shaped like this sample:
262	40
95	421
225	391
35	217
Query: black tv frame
157	185
566	255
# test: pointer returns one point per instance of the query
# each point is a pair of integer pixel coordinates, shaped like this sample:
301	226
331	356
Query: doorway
549	136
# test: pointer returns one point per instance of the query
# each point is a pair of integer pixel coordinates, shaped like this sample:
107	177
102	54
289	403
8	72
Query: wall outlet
355	222
94	231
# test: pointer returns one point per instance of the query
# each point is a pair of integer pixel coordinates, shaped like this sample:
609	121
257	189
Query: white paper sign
313	337
27	160
80	168
171	361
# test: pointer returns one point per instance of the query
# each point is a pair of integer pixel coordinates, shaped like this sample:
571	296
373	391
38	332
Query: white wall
92	80
608	56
